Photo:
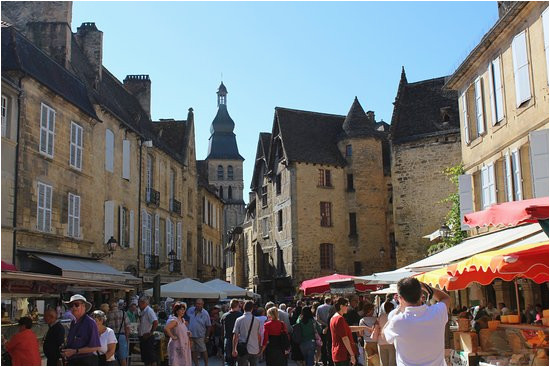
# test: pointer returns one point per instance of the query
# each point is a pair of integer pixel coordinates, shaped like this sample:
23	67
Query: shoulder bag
242	347
285	340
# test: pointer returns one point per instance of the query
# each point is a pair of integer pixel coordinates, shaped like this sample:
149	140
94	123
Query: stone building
225	166
425	139
210	260
82	154
322	199
503	104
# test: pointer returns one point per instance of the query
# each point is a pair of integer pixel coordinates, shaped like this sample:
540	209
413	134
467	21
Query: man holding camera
418	330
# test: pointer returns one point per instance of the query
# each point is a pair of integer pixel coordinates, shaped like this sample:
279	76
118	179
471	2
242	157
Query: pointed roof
356	122
222	142
222	123
222	90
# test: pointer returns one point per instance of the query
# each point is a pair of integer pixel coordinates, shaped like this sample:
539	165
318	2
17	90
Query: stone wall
419	185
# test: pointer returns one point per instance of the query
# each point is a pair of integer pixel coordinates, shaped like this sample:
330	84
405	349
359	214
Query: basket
463	325
514	319
504	319
493	324
545	313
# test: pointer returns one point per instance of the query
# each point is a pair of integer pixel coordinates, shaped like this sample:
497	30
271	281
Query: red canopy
8	267
510	214
322	285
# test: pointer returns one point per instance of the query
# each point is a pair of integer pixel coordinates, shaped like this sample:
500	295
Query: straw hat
78	297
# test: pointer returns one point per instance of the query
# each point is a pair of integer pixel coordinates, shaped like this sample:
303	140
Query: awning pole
517	298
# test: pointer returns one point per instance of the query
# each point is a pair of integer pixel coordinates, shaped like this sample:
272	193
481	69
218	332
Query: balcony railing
175	206
152	196
151	262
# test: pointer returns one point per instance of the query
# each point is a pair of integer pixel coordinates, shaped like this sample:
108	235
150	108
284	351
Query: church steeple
222	95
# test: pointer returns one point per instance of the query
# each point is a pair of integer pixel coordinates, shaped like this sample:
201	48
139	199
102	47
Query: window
230	193
178	240
497	100
157	235
74	216
126	156
357	267
488	189
508	178
169	236
521	68
76	146
350	182
123	228
264	196
324	178
473	111
47	130
220	172
221	192
109	150
348	150
516	174
352	224
327	256
326	214
278	184
230	172
480	113
147	238
189	247
172	187
280	220
265	227
149	176
109	220
190	201
4	115
44	207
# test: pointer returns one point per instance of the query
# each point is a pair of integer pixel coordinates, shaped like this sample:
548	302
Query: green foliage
452	220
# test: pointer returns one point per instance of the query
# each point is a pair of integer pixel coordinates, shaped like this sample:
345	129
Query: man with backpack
246	337
228	323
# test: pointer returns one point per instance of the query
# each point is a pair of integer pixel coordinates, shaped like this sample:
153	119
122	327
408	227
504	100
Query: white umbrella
188	288
230	289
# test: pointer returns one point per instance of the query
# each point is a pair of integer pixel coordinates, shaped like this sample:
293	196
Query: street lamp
111	247
445	231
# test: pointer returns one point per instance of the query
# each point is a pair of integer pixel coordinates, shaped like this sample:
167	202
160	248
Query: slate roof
172	137
419	110
356	123
19	54
262	157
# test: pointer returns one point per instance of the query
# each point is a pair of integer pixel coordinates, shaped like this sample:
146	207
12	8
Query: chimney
46	23
370	116
90	40
140	87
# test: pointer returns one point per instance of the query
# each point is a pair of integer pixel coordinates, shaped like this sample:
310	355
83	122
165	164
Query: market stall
323	284
188	288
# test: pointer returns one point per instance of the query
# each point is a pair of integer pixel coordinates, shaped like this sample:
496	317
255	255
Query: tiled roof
421	108
356	123
19	54
172	137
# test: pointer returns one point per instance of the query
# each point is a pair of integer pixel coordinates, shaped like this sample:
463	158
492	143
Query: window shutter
466	198
508	178
545	34
465	118
149	234
76	215
70	221
516	168
538	141
109	150
485	187
109	220
168	236
4	115
490	71
144	232
499	93
157	234
178	241
479	107
131	236
121	226
491	184
126	159
521	68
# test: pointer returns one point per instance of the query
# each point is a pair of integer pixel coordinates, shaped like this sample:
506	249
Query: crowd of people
403	330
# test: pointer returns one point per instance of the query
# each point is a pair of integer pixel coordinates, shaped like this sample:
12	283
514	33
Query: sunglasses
76	304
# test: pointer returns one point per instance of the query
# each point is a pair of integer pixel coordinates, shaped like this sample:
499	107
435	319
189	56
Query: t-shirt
418	335
23	349
339	329
146	319
228	321
82	333
367	321
199	322
108	337
242	325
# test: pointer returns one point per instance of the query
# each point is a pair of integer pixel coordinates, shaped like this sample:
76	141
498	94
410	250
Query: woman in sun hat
83	338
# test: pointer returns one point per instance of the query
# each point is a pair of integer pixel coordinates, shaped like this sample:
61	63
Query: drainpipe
16	173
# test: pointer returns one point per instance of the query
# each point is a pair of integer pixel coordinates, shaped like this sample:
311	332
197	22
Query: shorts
147	347
198	345
122	348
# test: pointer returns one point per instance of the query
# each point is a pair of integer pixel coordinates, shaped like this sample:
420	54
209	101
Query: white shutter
70	221
492	184
109	220
508	178
538	141
465	118
157	234
499	93
76	216
144	231
178	241
121	225
466	198
215	224
149	234
485	187
47	130
168	236
126	159
521	68
109	150
545	33
131	236
479	107
516	168
490	71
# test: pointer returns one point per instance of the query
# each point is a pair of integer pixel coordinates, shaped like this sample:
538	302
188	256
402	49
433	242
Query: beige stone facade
210	234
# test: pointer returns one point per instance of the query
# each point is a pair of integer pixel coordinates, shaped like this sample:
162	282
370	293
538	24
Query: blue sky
314	56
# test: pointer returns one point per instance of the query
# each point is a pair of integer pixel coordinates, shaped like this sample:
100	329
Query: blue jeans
228	349
307	348
122	352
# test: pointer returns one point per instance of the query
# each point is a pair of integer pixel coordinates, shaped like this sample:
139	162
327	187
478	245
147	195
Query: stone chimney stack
140	87
370	116
90	40
46	23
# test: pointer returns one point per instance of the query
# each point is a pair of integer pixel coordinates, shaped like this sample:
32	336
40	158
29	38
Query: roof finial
403	75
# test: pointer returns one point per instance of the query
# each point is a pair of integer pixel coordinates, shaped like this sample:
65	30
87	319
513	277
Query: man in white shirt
247	330
418	331
148	323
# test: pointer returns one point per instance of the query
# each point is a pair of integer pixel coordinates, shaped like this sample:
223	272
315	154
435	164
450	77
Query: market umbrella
510	214
322	284
230	289
8	267
188	288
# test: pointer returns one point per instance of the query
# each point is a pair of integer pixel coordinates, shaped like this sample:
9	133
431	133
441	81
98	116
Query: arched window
229	172
229	193
221	192
220	172
327	256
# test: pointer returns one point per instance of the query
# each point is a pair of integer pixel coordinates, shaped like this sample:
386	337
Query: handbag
285	340
242	347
